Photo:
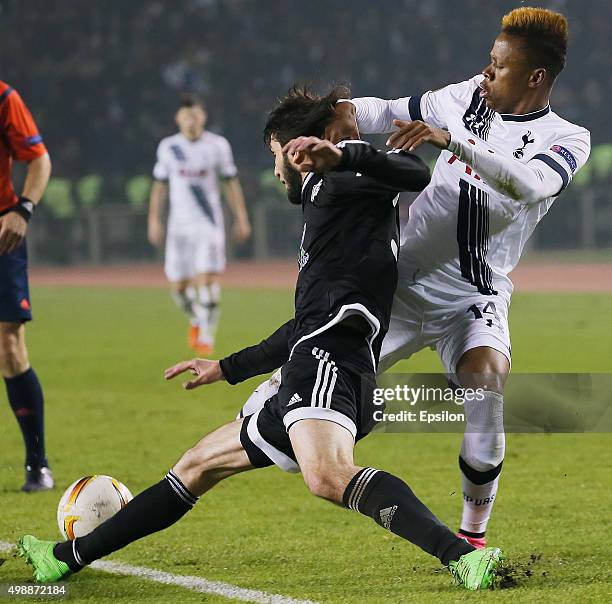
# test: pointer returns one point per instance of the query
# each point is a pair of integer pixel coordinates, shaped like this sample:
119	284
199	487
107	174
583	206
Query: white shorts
194	251
424	318
451	324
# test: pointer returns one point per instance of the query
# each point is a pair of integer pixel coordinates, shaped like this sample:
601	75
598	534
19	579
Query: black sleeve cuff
352	154
226	368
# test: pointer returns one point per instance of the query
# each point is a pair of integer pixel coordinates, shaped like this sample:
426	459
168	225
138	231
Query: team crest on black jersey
304	255
478	117
315	191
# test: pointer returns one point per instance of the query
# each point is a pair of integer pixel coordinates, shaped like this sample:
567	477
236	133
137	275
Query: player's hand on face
205	370
155	233
344	125
311	154
13	228
241	230
413	134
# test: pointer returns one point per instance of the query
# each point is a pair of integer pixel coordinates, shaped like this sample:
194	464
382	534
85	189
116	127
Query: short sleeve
566	155
225	160
21	131
160	170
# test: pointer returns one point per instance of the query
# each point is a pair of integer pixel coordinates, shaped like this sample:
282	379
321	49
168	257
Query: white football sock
186	301
481	458
209	298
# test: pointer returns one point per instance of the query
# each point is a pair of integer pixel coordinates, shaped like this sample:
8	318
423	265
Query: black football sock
393	505
153	510
26	399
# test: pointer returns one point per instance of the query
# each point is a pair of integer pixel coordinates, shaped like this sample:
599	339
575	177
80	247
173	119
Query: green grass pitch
100	355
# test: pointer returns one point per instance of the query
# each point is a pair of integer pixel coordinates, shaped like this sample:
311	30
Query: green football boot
47	568
476	570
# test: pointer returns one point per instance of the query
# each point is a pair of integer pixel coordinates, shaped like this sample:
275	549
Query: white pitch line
198	584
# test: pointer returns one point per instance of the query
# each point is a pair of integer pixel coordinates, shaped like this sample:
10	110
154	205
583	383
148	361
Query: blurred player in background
20	141
505	158
189	167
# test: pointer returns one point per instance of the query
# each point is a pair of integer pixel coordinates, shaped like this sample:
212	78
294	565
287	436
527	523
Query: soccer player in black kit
330	350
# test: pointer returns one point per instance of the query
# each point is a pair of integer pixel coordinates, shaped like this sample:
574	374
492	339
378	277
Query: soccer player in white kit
505	158
190	165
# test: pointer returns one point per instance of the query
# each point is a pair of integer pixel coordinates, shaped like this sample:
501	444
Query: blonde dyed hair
543	33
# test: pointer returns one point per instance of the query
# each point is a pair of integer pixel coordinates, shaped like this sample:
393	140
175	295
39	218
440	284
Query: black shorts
14	291
330	377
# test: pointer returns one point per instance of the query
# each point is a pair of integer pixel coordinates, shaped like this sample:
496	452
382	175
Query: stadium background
102	79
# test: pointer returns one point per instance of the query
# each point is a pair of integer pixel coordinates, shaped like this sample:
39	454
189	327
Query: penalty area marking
197	584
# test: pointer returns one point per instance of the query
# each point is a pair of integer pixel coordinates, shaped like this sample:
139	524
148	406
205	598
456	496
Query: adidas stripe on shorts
329	377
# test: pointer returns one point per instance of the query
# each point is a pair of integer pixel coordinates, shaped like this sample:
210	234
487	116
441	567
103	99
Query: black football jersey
350	240
348	252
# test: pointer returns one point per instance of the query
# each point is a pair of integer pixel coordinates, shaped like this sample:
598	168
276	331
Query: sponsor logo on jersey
197	173
478	117
303	259
386	516
567	155
319	353
296	398
518	153
315	191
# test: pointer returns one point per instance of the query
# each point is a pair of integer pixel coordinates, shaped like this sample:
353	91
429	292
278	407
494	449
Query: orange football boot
204	349
193	335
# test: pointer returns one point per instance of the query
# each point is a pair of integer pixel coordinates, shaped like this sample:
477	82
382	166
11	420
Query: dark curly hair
302	112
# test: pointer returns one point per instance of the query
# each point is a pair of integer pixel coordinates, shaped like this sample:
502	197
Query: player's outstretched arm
205	370
259	359
377	116
371	114
527	183
240	366
540	178
400	171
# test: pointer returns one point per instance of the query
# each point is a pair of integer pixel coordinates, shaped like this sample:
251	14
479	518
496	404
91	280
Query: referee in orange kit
20	141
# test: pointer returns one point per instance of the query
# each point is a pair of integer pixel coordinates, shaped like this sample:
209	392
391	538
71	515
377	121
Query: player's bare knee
208	278
321	485
13	353
327	483
180	287
483	367
194	463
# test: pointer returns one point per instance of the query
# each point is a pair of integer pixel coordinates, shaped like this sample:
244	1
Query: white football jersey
193	169
462	236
